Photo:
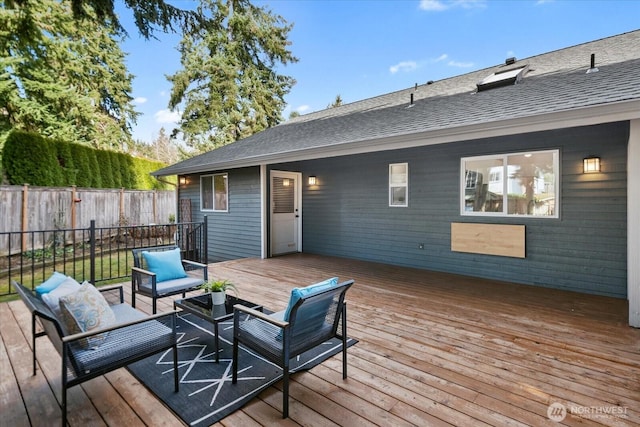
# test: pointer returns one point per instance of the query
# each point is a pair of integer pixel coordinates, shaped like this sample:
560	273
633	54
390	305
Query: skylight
502	78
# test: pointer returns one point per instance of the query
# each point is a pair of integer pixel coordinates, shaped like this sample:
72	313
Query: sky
359	49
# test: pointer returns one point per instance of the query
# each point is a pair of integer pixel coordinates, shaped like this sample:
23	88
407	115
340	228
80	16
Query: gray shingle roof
556	82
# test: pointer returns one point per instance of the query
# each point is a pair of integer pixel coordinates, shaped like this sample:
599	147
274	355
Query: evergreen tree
106	172
227	87
149	15
62	77
336	103
84	171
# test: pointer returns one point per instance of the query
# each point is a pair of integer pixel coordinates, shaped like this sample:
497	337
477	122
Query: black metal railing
96	254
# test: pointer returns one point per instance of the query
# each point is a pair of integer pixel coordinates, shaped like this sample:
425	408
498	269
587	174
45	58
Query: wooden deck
435	350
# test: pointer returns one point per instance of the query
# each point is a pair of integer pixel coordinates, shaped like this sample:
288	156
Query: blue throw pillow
51	283
166	264
297	293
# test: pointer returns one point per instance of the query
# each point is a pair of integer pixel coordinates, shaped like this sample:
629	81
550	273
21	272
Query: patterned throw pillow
86	310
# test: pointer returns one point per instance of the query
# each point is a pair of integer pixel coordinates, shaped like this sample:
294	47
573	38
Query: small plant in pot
218	289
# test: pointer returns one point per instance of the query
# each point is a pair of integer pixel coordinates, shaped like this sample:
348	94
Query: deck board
434	349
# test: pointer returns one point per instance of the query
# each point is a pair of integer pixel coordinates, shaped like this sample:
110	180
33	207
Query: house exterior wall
236	233
347	213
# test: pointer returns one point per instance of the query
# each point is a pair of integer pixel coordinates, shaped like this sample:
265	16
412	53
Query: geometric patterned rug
206	394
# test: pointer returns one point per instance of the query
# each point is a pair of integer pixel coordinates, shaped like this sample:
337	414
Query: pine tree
62	77
228	88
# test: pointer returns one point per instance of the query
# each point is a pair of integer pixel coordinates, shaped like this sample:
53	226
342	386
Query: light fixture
312	180
183	180
591	164
285	182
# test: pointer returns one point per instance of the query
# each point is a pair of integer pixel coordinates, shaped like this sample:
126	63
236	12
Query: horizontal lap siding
234	234
347	213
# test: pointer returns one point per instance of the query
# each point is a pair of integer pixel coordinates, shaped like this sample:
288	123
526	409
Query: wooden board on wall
488	239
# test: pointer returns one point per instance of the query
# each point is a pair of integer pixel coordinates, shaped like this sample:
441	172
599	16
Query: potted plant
218	288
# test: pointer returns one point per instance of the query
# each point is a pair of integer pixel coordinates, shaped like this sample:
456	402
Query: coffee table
202	307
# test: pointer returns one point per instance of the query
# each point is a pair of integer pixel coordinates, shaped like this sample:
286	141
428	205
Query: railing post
205	242
92	252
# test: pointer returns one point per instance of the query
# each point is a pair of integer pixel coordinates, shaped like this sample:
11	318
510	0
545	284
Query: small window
520	184
214	192
398	184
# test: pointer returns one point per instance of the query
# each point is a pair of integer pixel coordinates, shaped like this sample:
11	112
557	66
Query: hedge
29	158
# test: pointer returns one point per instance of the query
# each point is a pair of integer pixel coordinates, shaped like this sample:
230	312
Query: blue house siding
236	233
347	213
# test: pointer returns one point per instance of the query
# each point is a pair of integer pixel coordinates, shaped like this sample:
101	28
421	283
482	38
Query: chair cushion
167	265
173	286
86	310
52	298
297	293
51	283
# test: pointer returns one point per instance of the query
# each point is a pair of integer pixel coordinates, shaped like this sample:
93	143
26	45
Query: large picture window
399	184
519	184
214	192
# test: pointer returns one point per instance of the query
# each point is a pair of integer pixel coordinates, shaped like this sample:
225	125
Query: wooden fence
26	208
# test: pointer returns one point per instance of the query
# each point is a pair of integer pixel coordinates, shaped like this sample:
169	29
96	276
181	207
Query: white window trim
505	183
213	181
393	185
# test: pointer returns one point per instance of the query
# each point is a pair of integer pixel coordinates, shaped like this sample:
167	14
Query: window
520	184
214	192
398	184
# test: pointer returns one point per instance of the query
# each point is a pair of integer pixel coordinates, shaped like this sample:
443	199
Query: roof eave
584	116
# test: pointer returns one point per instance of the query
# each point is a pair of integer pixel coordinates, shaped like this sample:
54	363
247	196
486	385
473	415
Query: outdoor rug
206	394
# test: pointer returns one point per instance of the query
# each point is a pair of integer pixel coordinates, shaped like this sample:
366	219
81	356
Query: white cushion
52	299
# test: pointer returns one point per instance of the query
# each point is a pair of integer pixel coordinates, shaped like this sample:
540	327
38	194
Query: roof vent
502	78
510	61
593	68
430	82
410	101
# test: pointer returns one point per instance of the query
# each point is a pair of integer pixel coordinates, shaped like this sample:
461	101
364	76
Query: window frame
213	176
505	184
394	185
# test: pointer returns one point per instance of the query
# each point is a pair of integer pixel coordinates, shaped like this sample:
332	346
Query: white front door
286	217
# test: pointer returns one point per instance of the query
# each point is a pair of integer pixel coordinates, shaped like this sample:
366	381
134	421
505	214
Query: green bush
80	155
28	158
66	162
94	168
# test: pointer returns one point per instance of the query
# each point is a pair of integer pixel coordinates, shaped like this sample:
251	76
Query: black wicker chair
313	320
144	282
134	337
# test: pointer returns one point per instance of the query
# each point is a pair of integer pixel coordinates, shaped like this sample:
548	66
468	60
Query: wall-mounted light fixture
591	164
285	182
182	180
312	180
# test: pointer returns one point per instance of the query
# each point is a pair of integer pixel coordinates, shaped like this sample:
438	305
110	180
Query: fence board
61	208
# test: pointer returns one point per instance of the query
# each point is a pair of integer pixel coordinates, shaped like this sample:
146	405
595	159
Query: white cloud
404	66
441	58
432	5
442	5
301	109
167	116
140	100
460	64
